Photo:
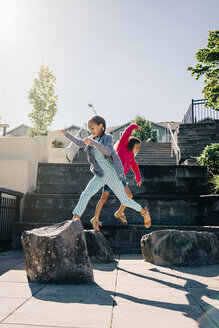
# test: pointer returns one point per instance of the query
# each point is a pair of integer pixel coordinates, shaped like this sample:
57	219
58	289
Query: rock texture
57	253
98	247
180	248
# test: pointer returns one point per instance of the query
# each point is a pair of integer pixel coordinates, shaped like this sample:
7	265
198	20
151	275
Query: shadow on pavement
11	259
207	320
105	266
81	293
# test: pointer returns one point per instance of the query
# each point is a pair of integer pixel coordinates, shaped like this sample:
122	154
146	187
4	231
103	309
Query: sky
126	57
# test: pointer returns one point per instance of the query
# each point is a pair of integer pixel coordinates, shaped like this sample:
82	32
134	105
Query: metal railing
174	146
83	132
9	214
198	113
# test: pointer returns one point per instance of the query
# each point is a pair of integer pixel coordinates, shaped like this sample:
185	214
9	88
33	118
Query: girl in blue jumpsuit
107	169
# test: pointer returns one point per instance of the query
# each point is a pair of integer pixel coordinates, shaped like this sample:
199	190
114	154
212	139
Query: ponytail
98	120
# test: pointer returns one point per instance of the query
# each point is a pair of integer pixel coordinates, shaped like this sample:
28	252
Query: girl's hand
139	128
63	132
87	141
139	184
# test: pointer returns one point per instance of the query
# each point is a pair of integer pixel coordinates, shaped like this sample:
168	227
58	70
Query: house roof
172	124
117	127
18	127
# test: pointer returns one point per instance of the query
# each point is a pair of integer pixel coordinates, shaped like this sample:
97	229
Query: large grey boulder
57	253
98	247
180	248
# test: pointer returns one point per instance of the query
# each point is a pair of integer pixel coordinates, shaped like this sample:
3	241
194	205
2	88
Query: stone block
180	248
98	247
57	254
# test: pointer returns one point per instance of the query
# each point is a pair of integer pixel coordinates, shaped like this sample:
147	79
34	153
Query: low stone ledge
57	253
180	248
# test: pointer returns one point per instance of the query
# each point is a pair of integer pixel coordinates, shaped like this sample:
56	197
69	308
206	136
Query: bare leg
123	207
146	217
95	220
101	202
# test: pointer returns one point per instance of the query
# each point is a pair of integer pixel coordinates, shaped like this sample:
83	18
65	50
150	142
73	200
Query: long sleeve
135	169
77	141
123	142
105	149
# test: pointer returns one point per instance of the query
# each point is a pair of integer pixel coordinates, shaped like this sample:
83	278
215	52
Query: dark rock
98	247
180	248
57	253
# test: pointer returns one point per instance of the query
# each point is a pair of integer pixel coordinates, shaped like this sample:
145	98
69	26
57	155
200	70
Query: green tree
146	133
208	66
42	97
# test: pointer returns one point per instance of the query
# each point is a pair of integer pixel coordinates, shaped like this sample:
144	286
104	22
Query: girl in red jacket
127	148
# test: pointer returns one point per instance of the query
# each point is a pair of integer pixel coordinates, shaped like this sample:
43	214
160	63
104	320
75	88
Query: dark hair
132	141
98	120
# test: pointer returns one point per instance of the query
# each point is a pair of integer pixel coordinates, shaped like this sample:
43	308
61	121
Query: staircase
80	157
155	153
150	153
172	194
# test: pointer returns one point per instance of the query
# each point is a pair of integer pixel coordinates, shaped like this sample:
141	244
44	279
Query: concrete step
164	209
156	179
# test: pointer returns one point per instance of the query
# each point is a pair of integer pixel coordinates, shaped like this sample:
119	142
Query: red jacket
127	157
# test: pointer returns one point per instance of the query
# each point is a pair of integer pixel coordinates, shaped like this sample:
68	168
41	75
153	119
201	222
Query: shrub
210	158
57	144
215	183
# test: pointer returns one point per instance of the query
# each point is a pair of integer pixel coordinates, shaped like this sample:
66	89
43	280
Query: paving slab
62	314
144	277
105	267
81	293
127	293
105	278
16	274
25	326
208	300
9	305
149	295
17	290
198	277
10	259
159	315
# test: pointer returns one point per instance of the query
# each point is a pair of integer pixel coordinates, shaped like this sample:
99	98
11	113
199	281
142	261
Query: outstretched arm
105	149
77	141
135	169
123	142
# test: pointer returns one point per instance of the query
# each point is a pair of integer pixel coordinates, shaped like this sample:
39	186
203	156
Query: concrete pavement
127	293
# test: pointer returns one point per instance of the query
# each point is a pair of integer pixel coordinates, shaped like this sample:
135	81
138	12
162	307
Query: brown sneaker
121	217
147	218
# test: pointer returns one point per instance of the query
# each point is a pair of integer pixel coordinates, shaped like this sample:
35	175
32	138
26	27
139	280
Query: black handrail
9	214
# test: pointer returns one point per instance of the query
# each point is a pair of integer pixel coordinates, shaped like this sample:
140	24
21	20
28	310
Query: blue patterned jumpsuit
111	179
